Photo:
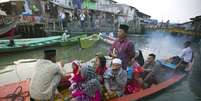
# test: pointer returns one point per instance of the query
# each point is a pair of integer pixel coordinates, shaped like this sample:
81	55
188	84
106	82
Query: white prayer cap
117	61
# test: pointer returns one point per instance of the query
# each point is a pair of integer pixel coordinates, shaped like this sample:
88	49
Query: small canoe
89	41
72	40
34	43
28	44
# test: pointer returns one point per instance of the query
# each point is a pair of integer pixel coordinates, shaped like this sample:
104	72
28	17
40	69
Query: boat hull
89	41
8	30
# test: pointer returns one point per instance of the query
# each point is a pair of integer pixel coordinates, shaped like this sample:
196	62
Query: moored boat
89	41
7	25
27	44
72	40
34	43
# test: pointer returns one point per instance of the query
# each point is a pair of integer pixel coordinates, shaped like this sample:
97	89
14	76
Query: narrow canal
161	43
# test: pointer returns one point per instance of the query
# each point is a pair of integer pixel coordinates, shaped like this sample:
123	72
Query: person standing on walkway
82	19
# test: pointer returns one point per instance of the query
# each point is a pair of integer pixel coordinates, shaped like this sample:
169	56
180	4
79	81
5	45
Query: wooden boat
34	43
28	44
89	41
7	25
168	77
72	40
165	83
19	88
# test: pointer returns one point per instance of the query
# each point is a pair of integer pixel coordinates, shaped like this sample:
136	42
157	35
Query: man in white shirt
82	19
186	56
62	18
46	77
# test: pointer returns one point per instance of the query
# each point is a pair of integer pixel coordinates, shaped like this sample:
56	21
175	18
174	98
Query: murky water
162	44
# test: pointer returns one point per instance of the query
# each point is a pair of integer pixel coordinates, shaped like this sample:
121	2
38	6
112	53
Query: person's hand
109	92
59	95
114	53
61	63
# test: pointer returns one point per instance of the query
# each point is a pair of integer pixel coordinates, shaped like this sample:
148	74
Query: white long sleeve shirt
186	54
42	82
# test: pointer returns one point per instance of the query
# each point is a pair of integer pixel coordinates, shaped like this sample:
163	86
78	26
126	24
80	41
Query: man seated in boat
115	79
122	48
183	61
151	68
46	77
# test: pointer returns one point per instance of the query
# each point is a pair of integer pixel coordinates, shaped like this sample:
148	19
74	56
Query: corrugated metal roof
3	1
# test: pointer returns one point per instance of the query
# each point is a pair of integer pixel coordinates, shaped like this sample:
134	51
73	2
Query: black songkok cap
124	27
50	52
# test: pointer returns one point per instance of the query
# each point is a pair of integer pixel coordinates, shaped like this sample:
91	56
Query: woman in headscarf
75	78
76	65
89	89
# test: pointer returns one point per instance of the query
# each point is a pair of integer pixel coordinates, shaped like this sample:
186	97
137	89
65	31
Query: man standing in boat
46	77
122	48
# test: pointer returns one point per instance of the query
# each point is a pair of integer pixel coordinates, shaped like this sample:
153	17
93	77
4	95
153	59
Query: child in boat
115	79
76	65
135	82
89	89
76	78
100	65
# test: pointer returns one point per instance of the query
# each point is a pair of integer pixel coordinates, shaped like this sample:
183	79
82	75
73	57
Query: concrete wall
64	3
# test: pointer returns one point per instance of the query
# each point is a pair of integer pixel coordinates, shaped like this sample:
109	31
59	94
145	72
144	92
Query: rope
17	95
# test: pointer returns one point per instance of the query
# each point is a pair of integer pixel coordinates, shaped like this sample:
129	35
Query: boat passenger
76	65
75	76
115	78
100	65
90	88
46	77
139	57
122	48
151	68
135	81
185	58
